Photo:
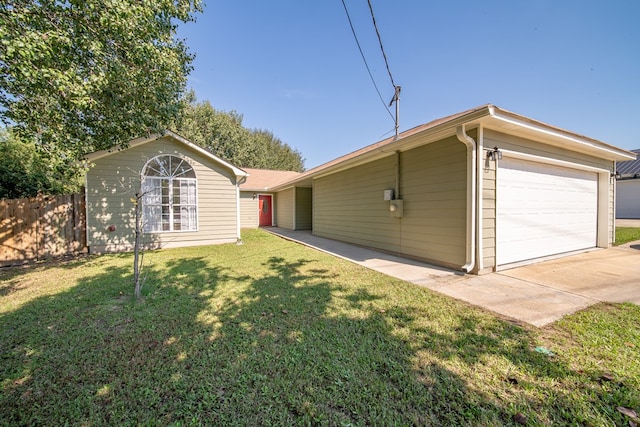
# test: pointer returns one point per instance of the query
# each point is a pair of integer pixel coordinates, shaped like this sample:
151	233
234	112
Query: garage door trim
556	162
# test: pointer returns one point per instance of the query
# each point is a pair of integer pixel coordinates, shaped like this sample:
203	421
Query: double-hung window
169	201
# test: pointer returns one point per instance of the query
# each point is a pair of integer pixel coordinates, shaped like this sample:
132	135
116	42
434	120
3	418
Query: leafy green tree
224	135
83	75
275	154
27	171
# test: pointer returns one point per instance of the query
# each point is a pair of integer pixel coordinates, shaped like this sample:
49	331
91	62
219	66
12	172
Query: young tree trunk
136	248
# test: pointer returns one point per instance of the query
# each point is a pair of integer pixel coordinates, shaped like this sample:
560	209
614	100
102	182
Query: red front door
266	210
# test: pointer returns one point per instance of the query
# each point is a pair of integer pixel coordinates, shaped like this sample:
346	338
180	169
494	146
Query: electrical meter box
388	194
396	208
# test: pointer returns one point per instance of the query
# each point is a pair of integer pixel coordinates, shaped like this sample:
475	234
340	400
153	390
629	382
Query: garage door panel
543	210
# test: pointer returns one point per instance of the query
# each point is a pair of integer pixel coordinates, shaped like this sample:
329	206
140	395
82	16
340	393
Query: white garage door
543	210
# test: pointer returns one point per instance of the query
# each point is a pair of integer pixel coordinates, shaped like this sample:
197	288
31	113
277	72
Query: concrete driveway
542	293
537	294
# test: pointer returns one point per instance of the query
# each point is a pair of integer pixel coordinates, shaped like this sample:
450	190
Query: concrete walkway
537	294
628	223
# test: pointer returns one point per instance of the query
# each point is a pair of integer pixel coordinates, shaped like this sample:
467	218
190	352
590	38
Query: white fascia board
133	143
239	173
283	188
587	146
236	170
411	139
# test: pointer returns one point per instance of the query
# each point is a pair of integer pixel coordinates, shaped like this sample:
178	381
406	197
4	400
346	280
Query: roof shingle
263	179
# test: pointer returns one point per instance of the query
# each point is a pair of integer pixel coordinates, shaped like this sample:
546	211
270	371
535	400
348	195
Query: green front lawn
273	333
627	234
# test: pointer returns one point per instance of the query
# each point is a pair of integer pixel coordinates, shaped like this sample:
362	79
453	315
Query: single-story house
479	191
628	188
258	205
188	195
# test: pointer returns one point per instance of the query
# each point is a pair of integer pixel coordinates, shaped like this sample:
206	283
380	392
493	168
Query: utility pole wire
396	88
384	55
365	59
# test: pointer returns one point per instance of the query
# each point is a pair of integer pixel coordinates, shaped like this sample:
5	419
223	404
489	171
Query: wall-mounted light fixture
616	175
494	154
255	196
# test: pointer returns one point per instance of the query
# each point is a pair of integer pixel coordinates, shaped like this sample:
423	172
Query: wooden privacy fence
41	227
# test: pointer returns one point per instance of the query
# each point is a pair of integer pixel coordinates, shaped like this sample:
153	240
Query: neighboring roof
490	117
629	168
263	179
140	141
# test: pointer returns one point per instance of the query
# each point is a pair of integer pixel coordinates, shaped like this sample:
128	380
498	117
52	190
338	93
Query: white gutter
583	142
433	133
471	197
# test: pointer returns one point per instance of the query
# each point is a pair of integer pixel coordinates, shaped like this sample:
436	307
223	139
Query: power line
396	88
384	55
365	59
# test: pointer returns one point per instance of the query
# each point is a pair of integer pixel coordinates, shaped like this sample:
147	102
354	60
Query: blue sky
293	67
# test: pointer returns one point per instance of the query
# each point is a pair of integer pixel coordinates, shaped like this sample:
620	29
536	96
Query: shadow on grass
11	277
209	345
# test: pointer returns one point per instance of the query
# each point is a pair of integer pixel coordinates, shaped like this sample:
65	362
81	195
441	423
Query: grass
272	333
627	234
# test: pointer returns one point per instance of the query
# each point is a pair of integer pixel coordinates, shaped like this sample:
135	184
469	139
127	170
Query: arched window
169	201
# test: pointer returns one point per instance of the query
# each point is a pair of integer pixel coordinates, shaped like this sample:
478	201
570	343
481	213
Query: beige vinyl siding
115	179
433	186
349	205
249	215
303	208
284	213
488	212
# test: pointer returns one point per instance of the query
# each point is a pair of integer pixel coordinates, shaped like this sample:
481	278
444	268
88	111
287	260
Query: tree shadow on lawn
12	277
211	345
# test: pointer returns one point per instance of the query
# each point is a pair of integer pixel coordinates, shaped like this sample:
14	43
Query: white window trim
144	178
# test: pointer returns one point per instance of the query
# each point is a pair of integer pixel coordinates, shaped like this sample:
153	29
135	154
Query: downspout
397	186
479	196
471	198
396	194
239	180
612	239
